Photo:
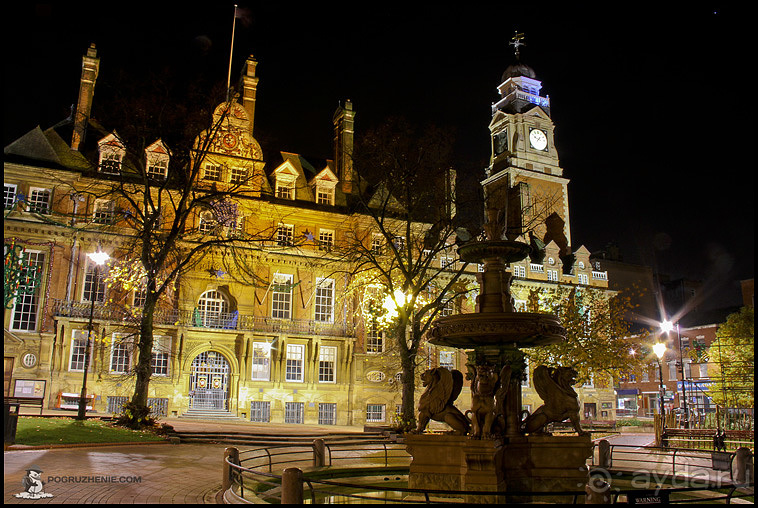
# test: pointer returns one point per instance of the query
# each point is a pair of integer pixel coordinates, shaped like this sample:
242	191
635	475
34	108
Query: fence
274	474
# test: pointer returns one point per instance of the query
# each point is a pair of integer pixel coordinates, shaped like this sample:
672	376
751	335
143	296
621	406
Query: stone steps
210	414
263	439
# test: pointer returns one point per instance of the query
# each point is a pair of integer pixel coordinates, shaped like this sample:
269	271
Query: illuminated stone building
285	345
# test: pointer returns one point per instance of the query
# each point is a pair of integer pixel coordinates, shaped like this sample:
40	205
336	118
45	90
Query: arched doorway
209	382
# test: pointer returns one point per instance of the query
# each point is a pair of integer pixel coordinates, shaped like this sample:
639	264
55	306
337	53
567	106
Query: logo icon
32	484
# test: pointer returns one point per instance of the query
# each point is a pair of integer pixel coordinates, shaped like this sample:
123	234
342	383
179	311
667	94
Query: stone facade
300	364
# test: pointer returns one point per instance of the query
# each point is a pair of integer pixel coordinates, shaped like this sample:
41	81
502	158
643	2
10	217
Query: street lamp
99	258
668	326
660	349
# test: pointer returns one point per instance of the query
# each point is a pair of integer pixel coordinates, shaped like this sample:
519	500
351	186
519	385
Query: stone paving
155	473
171	474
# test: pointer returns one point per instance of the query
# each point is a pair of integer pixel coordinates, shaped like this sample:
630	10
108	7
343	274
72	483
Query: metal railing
671	461
260	474
198	319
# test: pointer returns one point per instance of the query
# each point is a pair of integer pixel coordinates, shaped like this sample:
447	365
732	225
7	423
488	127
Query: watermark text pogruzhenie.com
93	479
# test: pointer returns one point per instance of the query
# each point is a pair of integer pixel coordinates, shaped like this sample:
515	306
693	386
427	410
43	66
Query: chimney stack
343	145
250	87
90	69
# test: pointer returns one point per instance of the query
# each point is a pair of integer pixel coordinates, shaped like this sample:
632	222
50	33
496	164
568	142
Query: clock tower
524	177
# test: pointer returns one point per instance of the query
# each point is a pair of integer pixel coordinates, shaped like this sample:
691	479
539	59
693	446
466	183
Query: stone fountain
492	448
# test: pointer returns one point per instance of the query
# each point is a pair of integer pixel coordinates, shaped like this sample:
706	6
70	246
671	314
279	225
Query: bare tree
168	206
402	240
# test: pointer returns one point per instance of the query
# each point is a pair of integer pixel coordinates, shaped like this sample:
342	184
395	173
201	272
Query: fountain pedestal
520	464
446	462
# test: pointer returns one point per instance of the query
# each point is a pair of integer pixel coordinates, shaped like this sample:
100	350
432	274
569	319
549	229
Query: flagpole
231	50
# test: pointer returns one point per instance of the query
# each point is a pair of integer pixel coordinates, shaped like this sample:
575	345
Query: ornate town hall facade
283	346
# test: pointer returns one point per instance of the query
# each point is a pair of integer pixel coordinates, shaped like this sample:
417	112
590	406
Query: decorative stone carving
487	414
436	403
554	386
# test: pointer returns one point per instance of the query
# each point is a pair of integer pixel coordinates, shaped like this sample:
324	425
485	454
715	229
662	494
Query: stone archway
209	381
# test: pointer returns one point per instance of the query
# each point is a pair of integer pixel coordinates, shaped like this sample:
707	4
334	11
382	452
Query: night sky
653	107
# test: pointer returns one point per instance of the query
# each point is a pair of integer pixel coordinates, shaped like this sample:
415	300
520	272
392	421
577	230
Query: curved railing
290	473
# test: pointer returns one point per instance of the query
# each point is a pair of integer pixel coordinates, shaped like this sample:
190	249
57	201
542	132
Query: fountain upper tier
496	323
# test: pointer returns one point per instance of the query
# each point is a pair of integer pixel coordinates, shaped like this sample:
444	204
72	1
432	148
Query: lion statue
487	415
554	386
436	403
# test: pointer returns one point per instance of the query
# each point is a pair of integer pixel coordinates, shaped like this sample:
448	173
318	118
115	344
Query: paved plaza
141	473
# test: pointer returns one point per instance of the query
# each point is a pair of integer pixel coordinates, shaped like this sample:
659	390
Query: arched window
212	310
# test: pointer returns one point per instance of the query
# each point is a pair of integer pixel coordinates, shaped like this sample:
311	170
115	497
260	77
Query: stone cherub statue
442	388
554	386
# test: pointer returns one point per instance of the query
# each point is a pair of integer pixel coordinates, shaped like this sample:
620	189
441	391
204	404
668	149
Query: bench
24	401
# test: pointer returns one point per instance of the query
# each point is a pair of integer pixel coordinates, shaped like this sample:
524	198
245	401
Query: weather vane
517	42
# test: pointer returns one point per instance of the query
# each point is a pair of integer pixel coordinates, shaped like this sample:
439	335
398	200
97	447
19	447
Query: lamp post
99	258
660	349
668	326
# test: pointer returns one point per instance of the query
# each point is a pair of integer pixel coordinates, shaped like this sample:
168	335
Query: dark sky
653	107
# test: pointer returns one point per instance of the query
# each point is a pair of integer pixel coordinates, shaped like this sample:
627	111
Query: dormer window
112	153
156	159
110	163
324	195
285	188
323	185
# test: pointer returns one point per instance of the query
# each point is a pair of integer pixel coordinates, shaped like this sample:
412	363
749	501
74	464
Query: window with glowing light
26	302
261	361
94	282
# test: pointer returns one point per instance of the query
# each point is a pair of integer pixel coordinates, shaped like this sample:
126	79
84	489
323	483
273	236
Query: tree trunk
143	368
407	362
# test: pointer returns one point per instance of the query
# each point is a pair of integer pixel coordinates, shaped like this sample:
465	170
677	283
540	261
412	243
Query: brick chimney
250	87
343	145
90	69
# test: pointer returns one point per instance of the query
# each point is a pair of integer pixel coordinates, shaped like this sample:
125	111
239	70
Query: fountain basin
522	329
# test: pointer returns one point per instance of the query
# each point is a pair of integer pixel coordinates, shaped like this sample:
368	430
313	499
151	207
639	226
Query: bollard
292	486
743	463
319	453
233	455
604	454
598	492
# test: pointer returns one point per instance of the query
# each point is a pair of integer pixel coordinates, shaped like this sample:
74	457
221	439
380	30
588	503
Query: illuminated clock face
538	139
230	141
